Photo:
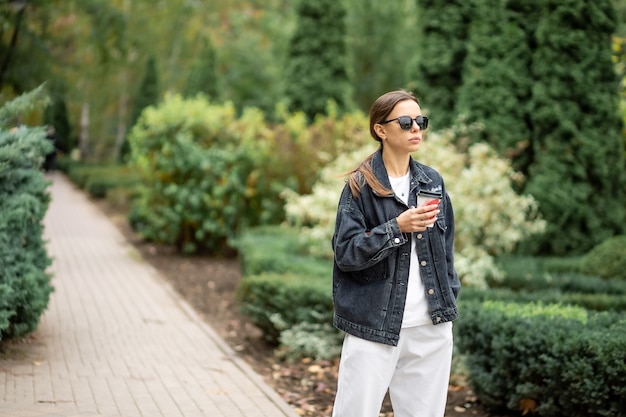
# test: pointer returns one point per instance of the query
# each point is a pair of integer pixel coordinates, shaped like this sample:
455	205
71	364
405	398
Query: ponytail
363	175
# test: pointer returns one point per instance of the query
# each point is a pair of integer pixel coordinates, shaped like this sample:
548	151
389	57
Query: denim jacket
371	263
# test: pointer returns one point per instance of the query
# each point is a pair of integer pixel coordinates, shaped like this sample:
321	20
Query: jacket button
397	240
438	319
419	236
423	263
431	291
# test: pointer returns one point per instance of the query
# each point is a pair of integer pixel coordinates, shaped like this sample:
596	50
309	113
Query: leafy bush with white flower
490	217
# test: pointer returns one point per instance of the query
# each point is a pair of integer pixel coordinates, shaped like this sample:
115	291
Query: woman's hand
418	219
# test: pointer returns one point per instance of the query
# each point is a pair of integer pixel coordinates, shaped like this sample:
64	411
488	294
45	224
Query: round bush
607	260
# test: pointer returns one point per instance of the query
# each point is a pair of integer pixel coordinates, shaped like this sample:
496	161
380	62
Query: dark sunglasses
406	123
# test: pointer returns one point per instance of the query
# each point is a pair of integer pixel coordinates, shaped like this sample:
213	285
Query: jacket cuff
394	234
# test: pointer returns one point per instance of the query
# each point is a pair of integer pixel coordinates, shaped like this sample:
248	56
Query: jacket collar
417	171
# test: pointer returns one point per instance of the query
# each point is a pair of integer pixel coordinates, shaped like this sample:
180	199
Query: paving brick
117	341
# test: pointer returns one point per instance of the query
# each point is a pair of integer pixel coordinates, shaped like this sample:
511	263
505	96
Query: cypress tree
25	286
316	68
497	81
440	54
147	95
203	73
379	51
56	116
577	173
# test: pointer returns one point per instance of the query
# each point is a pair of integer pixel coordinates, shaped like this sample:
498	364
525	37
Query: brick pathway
117	341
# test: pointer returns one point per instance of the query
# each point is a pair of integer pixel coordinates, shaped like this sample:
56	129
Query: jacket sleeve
455	283
357	247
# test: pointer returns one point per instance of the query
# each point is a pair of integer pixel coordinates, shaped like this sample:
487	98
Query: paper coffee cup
427	198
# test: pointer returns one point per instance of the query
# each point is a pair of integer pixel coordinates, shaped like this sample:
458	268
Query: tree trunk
84	132
122	116
13	44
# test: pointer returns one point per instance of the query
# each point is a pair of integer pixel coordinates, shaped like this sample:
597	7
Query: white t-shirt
416	308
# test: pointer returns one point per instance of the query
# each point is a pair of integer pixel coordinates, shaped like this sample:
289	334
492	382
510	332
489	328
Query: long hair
379	112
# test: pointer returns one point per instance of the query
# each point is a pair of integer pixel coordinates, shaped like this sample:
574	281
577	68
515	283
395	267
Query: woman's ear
380	131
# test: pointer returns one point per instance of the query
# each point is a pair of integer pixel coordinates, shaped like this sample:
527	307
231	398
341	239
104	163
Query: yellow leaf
528	405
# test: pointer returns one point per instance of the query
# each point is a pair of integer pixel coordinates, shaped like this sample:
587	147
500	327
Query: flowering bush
491	218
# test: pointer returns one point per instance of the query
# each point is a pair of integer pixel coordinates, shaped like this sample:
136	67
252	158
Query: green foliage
524	273
24	284
316	70
11	110
576	139
310	340
590	300
439	56
278	249
25	49
99	179
251	55
206	174
57	117
497	75
524	74
276	302
368	40
286	293
552	360
607	259
146	96
203	74
148	92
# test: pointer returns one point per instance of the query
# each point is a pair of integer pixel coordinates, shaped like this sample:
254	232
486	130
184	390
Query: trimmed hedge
98	179
593	301
608	259
563	274
276	302
277	249
24	285
552	360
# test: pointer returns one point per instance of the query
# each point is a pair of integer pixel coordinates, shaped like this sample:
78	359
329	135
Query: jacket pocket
439	241
376	272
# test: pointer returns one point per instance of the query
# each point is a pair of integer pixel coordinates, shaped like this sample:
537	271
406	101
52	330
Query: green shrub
590	301
286	293
310	340
276	302
278	249
206	174
522	273
608	259
98	179
554	360
101	186
24	285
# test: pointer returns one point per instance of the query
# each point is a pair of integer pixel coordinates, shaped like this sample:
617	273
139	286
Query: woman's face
394	138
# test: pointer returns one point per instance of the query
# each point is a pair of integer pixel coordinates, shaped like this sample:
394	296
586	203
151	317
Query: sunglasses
406	123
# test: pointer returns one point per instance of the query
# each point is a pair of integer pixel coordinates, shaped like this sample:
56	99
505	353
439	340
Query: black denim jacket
371	266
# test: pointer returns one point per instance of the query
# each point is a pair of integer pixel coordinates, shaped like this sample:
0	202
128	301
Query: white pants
416	372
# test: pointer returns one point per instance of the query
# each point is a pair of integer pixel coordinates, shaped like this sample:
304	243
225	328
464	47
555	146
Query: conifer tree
56	116
316	67
577	173
440	53
497	80
203	73
147	95
25	285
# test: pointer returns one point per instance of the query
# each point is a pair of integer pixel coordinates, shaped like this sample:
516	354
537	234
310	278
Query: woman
394	283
